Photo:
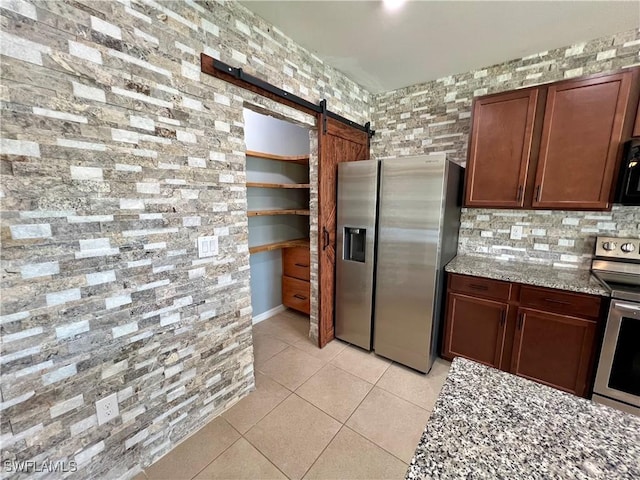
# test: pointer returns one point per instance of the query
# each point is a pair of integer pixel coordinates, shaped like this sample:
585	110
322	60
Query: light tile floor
335	413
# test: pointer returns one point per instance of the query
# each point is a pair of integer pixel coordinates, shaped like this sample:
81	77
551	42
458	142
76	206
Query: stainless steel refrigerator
397	226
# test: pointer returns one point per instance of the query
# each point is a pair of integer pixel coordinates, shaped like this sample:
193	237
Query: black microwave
628	190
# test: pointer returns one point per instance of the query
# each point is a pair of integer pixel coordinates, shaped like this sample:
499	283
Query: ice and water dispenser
355	240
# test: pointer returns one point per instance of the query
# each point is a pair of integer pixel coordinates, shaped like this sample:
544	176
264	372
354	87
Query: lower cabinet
493	322
553	349
296	289
476	329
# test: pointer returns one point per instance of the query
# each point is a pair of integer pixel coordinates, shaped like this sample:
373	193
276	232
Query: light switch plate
207	247
516	232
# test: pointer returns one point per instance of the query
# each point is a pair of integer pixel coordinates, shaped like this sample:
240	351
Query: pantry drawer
296	262
296	293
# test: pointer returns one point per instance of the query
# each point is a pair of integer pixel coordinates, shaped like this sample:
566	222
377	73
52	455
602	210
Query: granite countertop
529	274
489	424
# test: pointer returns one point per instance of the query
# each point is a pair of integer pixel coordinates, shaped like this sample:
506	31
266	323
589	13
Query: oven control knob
627	247
608	246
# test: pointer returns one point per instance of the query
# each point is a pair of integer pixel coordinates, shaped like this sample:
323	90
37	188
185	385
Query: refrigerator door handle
325	236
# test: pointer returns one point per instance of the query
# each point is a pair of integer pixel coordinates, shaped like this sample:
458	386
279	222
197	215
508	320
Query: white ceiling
426	40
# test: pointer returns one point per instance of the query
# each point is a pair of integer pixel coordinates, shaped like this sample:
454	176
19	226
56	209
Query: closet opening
278	210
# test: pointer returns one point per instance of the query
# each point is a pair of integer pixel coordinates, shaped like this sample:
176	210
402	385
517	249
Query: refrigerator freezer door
409	224
355	254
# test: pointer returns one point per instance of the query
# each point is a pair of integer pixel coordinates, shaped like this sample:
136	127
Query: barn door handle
325	236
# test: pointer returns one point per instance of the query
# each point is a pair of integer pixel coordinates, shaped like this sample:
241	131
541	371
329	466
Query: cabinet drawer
567	303
296	262
296	293
479	286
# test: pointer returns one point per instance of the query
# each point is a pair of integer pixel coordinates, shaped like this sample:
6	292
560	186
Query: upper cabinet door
501	137
581	136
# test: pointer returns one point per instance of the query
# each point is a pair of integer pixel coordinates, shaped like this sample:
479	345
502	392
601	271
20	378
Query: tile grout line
391	393
319	408
342	424
262	453
365	437
258	448
358	376
370	439
328	443
374	443
218	456
265	415
274	407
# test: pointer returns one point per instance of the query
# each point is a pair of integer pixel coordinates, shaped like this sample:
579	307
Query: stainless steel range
617	266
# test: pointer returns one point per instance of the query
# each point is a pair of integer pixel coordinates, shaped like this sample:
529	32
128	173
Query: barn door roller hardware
239	77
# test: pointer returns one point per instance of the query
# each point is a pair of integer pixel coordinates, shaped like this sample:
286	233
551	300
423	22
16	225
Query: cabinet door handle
520	320
503	317
559	302
325	236
475	286
300	297
538	193
301	265
519	197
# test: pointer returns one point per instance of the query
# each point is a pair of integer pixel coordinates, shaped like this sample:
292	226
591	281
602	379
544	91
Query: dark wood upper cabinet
581	137
554	146
475	329
554	349
500	149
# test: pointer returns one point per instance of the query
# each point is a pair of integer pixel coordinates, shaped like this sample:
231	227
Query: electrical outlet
516	232
107	408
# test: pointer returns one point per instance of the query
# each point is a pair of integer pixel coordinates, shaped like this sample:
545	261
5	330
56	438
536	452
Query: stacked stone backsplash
117	153
435	117
558	238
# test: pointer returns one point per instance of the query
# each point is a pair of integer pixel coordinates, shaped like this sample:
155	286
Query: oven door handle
626	306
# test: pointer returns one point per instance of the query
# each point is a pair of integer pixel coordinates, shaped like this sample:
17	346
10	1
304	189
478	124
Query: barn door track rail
237	76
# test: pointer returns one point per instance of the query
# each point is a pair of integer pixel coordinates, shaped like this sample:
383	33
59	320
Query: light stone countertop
529	274
489	424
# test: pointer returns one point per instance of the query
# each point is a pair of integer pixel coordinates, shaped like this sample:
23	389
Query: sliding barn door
338	143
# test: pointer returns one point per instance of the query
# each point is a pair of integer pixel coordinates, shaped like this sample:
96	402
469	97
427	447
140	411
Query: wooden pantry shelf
278	185
259	213
299	242
299	159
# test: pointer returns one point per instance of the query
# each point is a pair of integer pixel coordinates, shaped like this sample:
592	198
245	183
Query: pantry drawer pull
300	297
301	265
475	286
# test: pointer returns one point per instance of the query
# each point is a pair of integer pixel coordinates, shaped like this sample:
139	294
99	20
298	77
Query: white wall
272	135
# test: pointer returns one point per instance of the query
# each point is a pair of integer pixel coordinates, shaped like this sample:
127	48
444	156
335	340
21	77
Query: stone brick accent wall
116	154
435	117
562	239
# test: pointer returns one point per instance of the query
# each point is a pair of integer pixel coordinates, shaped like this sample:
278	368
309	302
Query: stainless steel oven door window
618	374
